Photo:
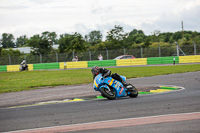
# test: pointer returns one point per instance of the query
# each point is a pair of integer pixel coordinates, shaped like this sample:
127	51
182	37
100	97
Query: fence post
89	54
177	48
180	50
25	58
9	59
40	57
159	50
195	52
141	51
56	56
124	50
72	54
106	52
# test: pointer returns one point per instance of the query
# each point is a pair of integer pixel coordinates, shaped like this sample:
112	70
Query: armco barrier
79	64
103	63
30	67
44	66
189	59
162	60
62	65
131	62
3	68
106	63
12	68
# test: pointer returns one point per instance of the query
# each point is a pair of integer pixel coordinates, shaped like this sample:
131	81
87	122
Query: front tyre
109	94
133	91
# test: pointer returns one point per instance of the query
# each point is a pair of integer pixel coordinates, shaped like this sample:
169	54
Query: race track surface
176	103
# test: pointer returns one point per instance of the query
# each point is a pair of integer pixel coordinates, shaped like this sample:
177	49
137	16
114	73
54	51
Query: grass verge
20	81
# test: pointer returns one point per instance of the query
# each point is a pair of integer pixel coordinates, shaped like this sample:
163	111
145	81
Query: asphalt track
184	105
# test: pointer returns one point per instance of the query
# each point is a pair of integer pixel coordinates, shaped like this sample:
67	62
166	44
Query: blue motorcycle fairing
117	86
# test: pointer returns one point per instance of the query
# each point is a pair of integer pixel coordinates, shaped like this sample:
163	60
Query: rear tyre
133	91
109	94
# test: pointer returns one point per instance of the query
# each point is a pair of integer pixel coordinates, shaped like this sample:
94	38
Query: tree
73	42
100	46
10	52
140	32
187	36
115	37
40	44
133	32
167	36
21	41
94	37
63	42
177	36
147	42
134	37
155	35
50	36
78	43
7	40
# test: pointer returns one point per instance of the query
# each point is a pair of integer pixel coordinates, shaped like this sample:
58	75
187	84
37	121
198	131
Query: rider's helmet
95	70
23	62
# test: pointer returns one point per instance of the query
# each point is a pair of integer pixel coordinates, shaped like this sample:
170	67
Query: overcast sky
30	17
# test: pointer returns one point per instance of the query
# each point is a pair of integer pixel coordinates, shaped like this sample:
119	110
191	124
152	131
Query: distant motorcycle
112	89
23	67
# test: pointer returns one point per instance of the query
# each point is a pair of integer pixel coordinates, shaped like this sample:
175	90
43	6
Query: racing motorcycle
112	89
23	67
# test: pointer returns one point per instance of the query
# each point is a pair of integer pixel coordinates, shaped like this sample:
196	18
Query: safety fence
92	55
106	63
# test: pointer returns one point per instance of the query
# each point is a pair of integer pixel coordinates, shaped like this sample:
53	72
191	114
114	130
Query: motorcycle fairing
117	86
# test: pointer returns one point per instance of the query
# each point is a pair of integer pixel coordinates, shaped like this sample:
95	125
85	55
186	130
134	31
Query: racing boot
127	86
124	83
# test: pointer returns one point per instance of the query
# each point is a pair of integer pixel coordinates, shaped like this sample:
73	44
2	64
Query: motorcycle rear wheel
109	94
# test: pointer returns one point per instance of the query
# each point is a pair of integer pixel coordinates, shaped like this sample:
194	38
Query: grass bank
20	81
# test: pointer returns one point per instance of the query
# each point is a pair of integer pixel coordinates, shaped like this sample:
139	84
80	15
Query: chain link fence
107	54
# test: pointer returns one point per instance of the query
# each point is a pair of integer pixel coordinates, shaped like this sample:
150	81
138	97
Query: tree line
116	38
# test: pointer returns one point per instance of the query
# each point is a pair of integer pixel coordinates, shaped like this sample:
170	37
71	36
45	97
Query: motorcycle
112	89
23	67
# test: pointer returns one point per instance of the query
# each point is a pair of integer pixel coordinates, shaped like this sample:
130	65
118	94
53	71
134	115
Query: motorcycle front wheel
133	91
109	94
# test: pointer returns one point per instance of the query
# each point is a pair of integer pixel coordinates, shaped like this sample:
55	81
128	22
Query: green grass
20	81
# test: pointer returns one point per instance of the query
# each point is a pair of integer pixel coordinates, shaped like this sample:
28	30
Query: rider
107	73
23	62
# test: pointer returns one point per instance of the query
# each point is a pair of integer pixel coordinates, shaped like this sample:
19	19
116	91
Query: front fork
129	88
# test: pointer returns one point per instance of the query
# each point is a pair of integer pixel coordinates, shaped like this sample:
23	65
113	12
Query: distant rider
24	65
106	73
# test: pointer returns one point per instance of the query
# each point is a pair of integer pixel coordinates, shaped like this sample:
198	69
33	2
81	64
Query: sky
31	17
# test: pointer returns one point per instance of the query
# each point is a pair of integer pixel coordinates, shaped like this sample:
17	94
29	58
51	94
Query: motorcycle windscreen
97	81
